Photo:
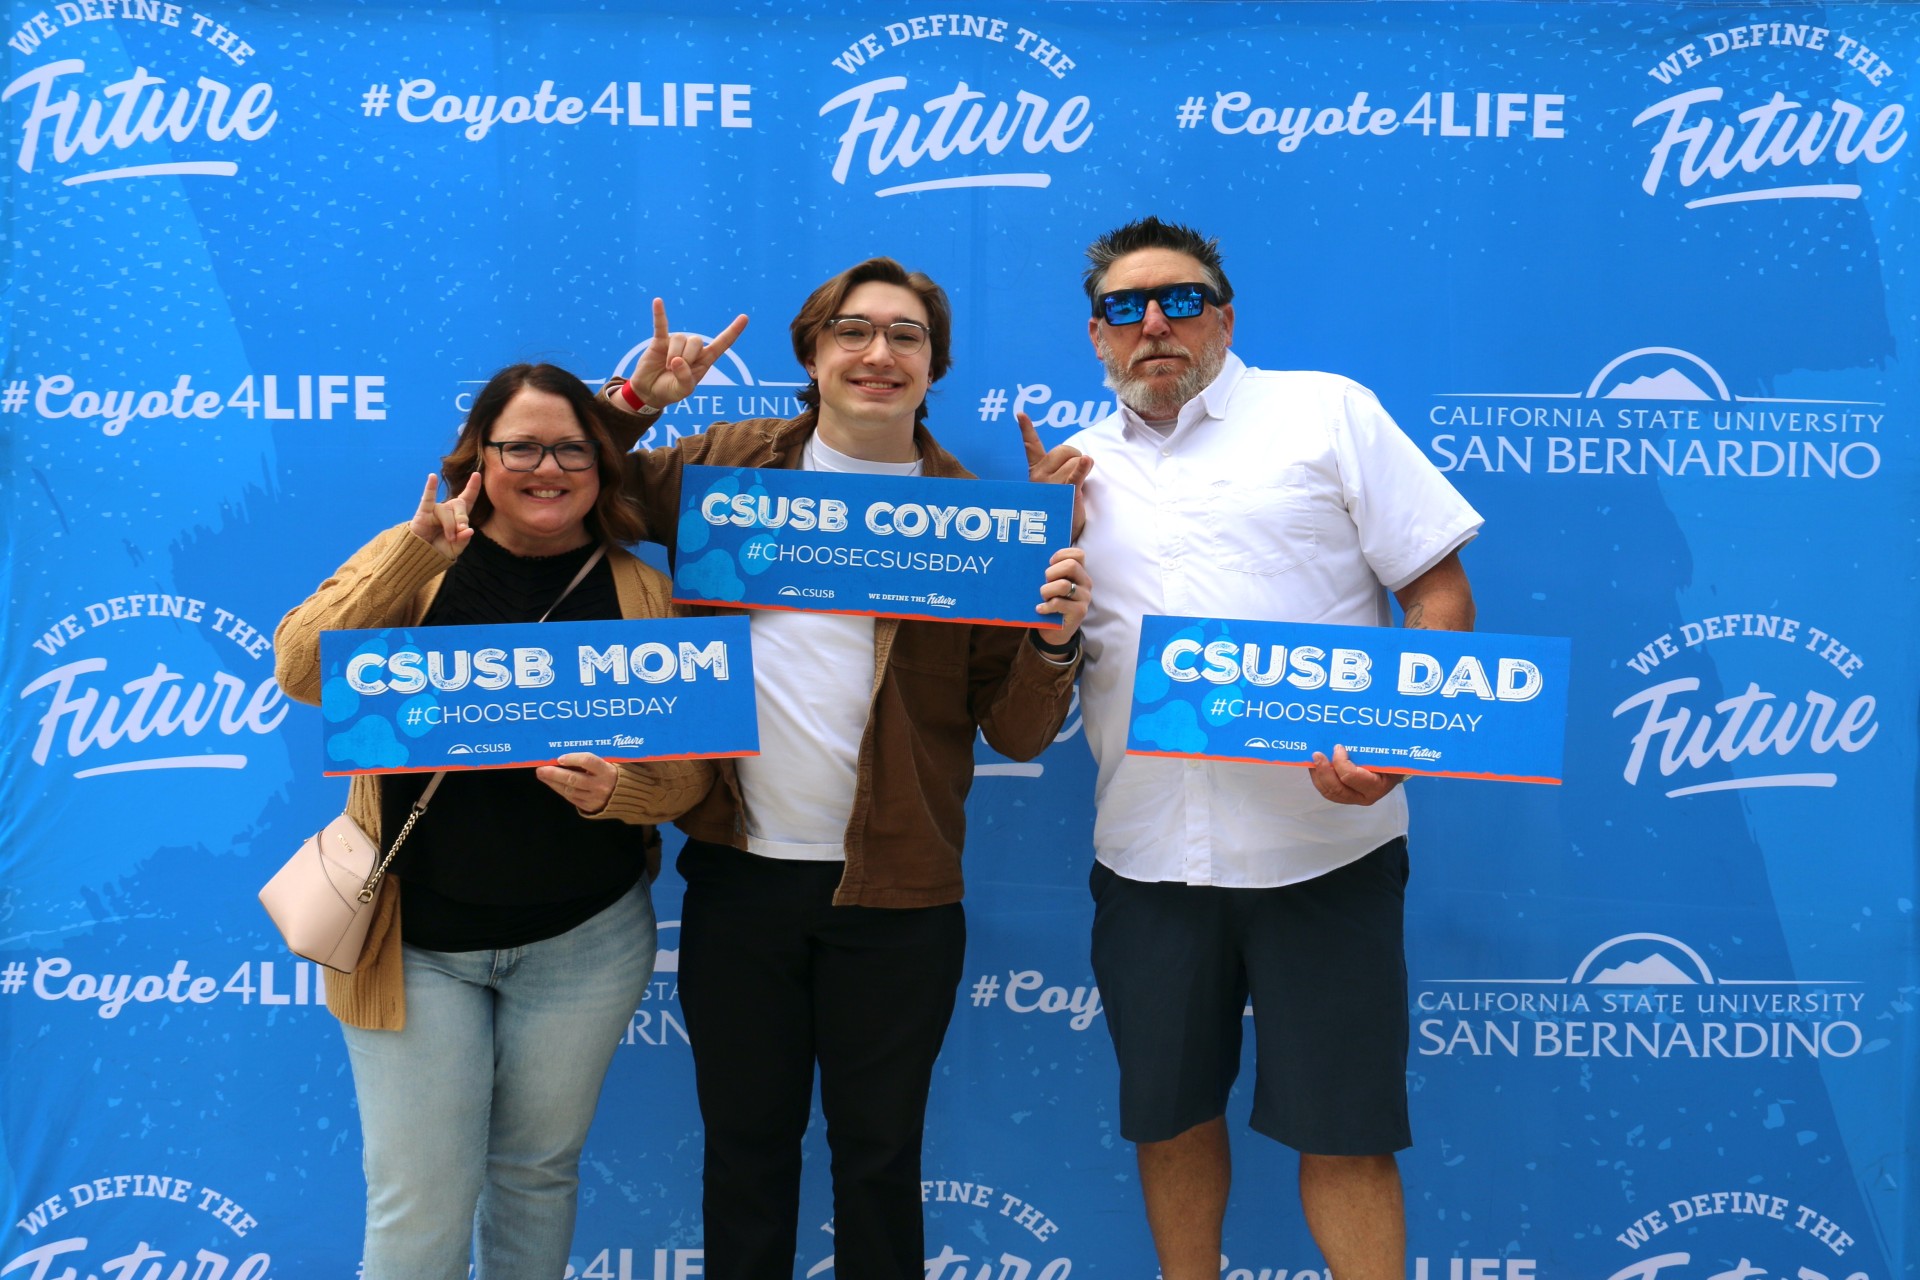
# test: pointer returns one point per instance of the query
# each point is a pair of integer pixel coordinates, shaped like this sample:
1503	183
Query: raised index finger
1036	452
431	497
659	319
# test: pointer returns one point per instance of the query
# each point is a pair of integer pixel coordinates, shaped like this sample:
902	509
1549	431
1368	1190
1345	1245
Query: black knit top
500	859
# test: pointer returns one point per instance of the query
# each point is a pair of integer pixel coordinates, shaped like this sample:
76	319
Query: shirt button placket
1198	788
1173	537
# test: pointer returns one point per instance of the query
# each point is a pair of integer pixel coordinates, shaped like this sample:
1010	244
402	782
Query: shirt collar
784	441
1210	403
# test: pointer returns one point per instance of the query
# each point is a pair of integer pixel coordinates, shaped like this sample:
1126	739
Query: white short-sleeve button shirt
1276	495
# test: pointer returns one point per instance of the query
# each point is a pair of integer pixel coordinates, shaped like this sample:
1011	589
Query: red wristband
634	402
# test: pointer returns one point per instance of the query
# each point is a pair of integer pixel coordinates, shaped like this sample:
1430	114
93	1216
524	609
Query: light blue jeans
474	1115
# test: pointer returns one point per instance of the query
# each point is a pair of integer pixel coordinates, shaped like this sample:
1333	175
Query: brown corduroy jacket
934	685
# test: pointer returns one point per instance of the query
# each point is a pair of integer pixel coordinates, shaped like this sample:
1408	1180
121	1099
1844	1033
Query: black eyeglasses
527	455
1177	302
855	333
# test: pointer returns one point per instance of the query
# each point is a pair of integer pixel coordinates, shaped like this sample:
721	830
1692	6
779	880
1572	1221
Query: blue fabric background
1686	413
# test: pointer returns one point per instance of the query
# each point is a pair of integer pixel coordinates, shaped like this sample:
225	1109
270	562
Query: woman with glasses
518	936
822	927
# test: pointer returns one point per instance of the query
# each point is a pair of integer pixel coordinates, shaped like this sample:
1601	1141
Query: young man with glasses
1217	490
822	920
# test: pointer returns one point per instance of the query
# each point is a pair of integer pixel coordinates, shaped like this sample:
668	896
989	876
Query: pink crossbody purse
322	900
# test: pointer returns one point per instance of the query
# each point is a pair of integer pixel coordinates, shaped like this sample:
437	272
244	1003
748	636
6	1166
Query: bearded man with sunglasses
822	922
1217	490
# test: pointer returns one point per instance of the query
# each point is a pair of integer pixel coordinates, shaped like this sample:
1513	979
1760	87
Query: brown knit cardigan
389	583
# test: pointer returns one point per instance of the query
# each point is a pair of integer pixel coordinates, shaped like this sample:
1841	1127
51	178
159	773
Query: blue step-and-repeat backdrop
1641	279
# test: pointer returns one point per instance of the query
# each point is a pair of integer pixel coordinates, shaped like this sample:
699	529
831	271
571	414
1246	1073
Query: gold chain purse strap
372	886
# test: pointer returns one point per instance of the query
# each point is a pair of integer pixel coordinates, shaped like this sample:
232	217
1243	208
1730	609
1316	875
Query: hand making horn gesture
444	525
673	363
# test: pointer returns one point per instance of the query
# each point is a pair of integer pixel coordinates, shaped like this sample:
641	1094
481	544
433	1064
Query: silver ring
1073	588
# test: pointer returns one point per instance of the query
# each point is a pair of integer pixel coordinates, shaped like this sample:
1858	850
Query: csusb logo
1640	996
958	136
1718	146
727	392
135	127
1656	411
1699	743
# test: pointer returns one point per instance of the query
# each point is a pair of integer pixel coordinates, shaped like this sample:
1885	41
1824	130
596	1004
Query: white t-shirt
1285	496
813	679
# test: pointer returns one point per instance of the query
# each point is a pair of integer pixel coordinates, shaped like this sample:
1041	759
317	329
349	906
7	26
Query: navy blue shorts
1324	965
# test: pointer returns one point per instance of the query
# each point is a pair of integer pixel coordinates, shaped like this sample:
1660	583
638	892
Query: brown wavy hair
615	516
824	303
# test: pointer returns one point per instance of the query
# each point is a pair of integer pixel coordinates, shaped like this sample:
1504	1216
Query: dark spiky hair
1152	233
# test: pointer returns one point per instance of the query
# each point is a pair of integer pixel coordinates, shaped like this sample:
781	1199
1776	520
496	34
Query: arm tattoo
1417	616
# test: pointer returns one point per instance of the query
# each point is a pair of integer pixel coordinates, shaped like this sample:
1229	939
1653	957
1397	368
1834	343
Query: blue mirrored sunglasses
1177	302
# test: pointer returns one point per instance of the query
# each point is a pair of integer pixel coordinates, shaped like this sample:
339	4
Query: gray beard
1139	395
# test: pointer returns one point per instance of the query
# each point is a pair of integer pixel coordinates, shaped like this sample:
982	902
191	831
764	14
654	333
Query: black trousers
774	978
